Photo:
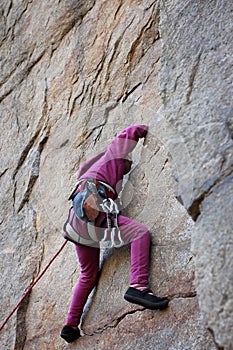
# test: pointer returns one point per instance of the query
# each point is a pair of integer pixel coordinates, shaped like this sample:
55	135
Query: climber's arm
126	141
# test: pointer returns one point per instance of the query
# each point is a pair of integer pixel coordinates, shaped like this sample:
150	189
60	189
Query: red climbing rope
32	285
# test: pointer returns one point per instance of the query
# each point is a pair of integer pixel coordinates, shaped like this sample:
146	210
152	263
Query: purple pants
88	257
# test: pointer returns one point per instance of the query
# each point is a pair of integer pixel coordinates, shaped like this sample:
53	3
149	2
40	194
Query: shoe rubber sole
161	305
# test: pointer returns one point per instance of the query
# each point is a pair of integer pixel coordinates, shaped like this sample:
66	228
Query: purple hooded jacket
110	165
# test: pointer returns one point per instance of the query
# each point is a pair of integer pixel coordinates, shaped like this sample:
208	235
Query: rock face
73	75
196	86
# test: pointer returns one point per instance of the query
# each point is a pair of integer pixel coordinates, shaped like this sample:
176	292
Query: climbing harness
101	190
31	286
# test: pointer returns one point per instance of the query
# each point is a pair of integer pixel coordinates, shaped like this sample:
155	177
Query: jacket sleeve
88	163
126	141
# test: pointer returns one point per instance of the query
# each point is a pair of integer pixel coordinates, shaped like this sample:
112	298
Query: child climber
100	178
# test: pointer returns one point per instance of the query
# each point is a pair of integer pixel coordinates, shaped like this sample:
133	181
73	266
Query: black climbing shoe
145	299
70	334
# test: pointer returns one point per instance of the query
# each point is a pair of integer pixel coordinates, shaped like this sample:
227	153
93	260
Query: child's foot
145	298
70	334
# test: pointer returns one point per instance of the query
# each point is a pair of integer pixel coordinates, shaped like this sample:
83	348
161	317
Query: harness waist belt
110	188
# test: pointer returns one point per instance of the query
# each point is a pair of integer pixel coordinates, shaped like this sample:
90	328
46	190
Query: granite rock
73	75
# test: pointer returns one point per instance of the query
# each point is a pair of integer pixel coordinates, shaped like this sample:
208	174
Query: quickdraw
111	209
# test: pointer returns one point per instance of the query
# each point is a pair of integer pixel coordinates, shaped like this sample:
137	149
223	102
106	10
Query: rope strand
32	285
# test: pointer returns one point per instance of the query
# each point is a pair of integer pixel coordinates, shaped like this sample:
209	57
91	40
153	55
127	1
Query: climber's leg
138	292
89	262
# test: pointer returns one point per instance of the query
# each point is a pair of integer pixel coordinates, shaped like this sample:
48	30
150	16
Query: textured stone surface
153	330
73	75
196	86
214	263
